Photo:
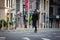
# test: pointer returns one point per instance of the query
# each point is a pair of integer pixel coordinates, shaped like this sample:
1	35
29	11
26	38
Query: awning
53	17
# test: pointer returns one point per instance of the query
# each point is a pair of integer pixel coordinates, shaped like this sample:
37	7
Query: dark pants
25	24
34	22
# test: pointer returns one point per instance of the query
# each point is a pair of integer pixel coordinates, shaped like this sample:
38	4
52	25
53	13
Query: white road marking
26	38
42	35
35	35
45	39
57	36
2	38
54	33
28	33
49	36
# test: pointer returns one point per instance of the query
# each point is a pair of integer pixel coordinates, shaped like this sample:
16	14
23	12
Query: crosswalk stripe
45	39
57	36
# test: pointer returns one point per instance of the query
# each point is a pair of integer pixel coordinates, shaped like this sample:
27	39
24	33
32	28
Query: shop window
58	11
51	11
7	3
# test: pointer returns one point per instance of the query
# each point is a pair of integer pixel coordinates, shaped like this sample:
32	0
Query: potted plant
5	24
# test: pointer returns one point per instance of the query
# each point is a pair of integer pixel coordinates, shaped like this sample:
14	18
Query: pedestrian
25	24
38	13
34	20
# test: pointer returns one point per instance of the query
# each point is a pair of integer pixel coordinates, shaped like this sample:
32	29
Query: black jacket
35	17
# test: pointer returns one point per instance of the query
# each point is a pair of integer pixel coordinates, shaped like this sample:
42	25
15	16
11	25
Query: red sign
27	4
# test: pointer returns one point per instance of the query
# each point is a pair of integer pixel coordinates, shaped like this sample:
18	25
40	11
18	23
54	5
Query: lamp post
2	24
18	15
44	19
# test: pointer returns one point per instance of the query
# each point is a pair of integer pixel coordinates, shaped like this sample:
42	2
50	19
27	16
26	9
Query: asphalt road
49	35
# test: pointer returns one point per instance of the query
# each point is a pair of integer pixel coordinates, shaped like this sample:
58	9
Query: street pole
28	14
8	22
2	24
44	20
8	25
21	11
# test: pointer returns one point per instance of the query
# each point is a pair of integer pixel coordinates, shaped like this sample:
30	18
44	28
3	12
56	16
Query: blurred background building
54	13
49	10
7	10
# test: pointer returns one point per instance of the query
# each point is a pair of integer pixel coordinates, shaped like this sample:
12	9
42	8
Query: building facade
54	13
7	7
49	13
41	5
49	16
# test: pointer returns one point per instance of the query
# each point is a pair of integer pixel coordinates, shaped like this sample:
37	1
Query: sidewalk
23	30
39	29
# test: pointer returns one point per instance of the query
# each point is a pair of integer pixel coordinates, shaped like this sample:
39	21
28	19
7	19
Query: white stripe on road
32	35
2	38
54	33
37	35
26	38
45	39
57	36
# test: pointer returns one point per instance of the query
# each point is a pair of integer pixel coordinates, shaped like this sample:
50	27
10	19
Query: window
17	5
51	11
37	4
58	11
7	3
51	2
11	3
